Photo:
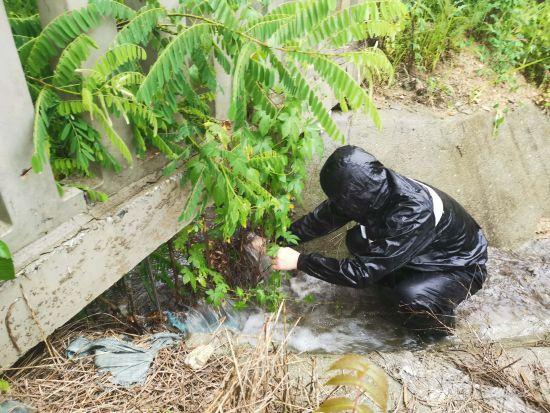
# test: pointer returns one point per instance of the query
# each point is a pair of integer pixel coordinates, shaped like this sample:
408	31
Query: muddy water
514	302
336	320
322	318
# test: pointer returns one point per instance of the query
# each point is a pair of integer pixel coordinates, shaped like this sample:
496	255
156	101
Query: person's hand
286	259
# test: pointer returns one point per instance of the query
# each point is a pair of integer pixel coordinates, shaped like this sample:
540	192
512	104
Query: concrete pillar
30	205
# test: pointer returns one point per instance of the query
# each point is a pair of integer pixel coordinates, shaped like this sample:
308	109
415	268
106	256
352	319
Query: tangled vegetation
511	35
248	169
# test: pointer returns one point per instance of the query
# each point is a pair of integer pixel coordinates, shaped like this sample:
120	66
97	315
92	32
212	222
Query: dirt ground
460	84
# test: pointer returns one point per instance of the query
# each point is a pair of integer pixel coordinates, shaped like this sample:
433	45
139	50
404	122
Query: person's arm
410	231
321	221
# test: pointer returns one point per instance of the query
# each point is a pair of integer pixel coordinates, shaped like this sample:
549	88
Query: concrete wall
65	252
502	180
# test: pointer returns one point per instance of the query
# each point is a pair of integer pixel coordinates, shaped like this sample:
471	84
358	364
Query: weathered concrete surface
30	205
67	269
502	180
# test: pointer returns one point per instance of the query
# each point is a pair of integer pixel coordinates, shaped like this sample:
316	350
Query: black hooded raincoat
411	237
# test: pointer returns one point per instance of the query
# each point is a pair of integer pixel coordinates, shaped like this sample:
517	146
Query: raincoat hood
355	182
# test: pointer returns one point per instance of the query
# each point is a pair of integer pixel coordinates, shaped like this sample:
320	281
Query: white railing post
30	205
103	35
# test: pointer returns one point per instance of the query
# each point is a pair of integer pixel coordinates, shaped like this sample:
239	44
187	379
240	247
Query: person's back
411	237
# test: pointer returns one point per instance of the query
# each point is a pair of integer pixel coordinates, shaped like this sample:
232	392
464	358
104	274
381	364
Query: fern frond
116	57
265	28
71	59
113	136
380	28
138	29
222	58
393	10
341	83
296	84
124	79
162	146
70	107
372	60
171	58
45	100
222	12
261	73
237	109
306	17
259	97
24	51
25	26
112	8
338	22
65	27
21	40
135	109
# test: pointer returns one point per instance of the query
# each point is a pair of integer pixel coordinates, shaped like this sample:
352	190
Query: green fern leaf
341	83
222	58
70	107
21	40
24	52
192	206
65	27
162	146
171	58
145	116
117	57
25	26
237	109
113	136
261	73
125	79
223	13
46	99
138	29
265	28
112	8
72	57
307	17
296	84
373	61
259	97
338	22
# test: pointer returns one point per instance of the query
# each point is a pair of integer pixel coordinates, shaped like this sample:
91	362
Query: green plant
249	168
515	37
368	381
4	386
433	28
7	271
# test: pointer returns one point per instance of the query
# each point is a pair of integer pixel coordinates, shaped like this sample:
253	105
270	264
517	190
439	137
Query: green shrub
249	168
516	36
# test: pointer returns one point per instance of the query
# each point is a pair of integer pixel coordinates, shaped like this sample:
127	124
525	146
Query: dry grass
490	363
236	379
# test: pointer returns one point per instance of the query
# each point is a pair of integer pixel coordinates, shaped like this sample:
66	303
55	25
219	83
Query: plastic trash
198	358
127	362
13	406
205	318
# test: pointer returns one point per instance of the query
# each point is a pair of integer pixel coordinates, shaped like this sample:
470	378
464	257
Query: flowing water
329	319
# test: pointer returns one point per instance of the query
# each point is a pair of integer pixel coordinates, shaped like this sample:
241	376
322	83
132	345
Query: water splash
337	319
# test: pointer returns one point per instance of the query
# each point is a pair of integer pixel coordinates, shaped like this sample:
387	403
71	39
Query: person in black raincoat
409	236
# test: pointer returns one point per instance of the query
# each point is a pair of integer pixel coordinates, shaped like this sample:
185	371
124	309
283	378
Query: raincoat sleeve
321	221
410	228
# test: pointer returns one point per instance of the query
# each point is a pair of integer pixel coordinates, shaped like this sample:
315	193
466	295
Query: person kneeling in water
409	236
